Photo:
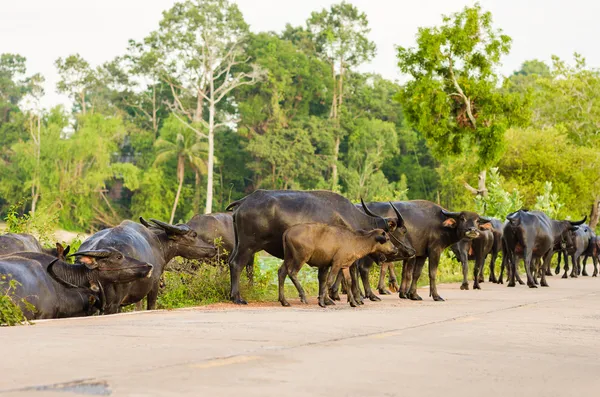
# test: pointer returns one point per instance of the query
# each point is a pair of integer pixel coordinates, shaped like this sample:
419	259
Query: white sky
43	30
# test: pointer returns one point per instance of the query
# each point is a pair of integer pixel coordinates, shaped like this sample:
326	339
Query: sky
43	30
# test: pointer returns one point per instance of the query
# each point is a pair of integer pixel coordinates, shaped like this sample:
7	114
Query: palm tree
188	150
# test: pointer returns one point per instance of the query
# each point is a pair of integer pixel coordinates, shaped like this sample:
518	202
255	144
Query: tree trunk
82	97
197	193
334	167
154	111
180	175
35	186
211	156
594	215
341	86
199	105
481	187
333	111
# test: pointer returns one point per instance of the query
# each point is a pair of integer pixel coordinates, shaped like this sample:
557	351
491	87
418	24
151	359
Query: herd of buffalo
123	265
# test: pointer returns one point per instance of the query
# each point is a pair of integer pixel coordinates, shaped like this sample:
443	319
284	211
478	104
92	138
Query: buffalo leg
528	258
324	299
293	275
545	268
503	265
434	261
595	260
349	287
566	267
335	288
573	267
478	271
393	282
239	259
492	278
152	296
557	270
464	261
583	271
281	273
356	292
364	275
511	268
381	285
250	270
407	271
418	268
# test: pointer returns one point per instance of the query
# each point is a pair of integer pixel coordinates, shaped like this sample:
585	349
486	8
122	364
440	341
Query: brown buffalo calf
325	246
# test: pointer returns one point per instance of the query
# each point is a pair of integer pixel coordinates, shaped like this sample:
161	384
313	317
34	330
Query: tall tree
453	99
77	78
199	47
341	39
185	146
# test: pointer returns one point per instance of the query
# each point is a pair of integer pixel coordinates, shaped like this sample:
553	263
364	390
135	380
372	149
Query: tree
77	78
341	39
453	98
199	48
177	142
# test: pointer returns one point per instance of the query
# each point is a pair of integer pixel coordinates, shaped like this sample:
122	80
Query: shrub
10	311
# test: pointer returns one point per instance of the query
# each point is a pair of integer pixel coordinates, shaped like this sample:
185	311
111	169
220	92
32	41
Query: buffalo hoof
394	287
414	297
464	286
584	274
438	299
322	304
532	285
402	295
303	300
476	286
500	281
521	282
384	291
492	279
544	284
511	285
557	270
335	296
595	274
329	301
353	303
239	301
374	298
565	276
481	280
285	303
573	276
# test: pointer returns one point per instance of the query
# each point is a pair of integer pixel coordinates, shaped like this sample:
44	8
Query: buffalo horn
450	214
167	227
367	211
483	219
400	220
58	279
144	222
93	253
577	223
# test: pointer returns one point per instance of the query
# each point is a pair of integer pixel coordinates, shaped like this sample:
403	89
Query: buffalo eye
119	257
194	234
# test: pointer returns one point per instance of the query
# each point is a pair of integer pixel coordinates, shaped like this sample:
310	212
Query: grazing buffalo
261	218
57	289
325	247
20	242
431	229
533	235
211	227
476	249
156	244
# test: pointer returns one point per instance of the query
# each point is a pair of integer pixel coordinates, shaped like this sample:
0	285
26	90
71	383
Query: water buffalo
261	218
325	246
219	225
57	289
578	244
533	235
155	243
20	242
593	251
431	229
476	249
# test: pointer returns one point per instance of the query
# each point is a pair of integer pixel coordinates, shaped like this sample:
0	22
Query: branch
461	94
470	188
236	82
200	134
177	101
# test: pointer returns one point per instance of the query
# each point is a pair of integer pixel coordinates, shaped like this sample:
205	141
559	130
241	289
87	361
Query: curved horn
367	210
400	219
59	280
144	222
483	219
577	223
167	227
450	214
93	253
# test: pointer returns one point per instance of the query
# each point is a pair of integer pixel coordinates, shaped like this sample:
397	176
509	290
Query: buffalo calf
325	246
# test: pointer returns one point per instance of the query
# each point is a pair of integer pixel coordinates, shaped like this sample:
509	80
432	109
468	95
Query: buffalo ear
60	250
450	222
392	225
88	261
485	226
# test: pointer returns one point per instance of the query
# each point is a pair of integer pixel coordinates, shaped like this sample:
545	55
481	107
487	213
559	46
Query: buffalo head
383	244
183	240
389	224
111	266
466	223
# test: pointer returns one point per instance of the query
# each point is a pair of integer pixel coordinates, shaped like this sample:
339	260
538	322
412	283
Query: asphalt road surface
494	342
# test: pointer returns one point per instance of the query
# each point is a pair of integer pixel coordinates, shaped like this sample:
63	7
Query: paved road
494	342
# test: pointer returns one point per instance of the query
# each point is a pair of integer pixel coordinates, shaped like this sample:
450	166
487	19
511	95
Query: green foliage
40	224
498	203
548	202
10	310
453	98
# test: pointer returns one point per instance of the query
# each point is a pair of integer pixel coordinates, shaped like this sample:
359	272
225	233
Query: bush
10	311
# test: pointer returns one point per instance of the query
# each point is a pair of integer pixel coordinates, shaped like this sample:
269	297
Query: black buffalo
155	243
261	218
57	289
477	250
430	229
579	243
20	242
533	236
